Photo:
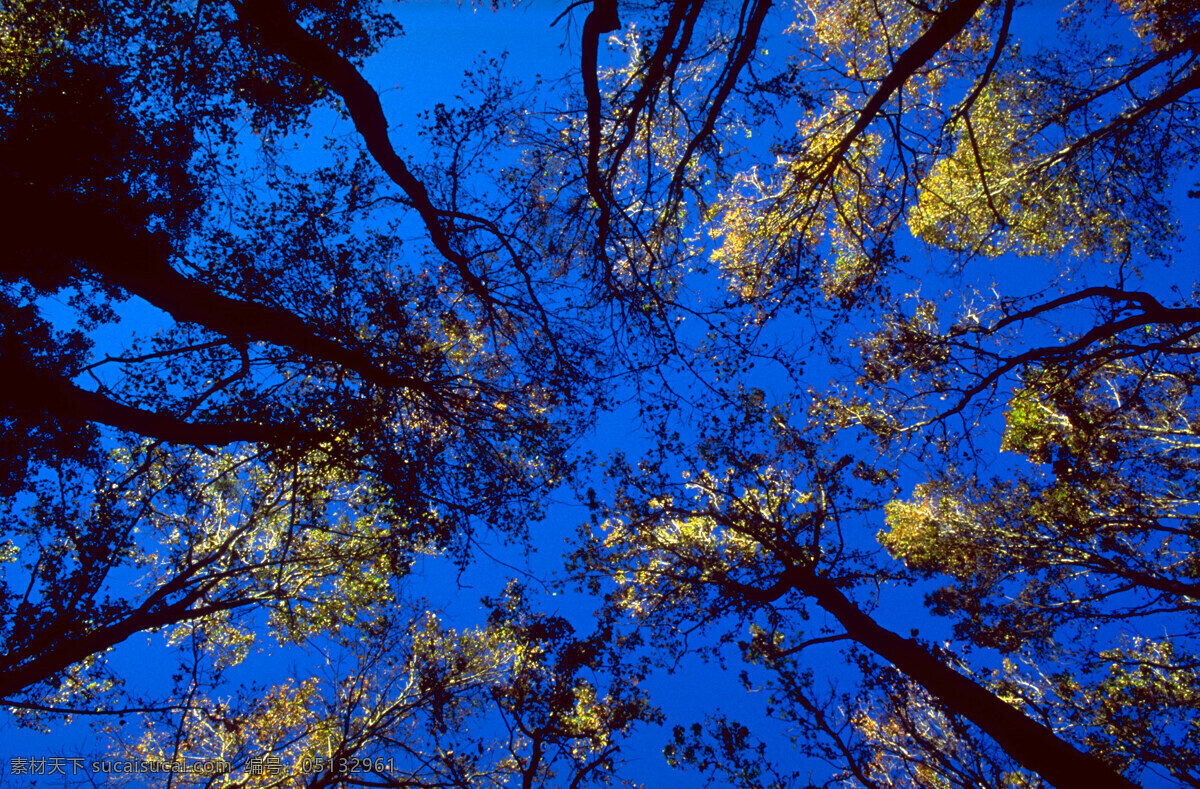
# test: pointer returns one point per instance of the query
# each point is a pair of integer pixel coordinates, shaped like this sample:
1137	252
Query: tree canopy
893	301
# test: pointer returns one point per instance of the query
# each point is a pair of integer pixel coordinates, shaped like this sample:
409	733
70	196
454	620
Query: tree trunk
1030	743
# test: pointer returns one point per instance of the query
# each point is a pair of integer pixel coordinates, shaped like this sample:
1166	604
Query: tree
755	544
931	119
304	422
420	397
324	403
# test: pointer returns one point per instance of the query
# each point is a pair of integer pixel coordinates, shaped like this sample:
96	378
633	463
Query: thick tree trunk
1030	743
19	674
47	393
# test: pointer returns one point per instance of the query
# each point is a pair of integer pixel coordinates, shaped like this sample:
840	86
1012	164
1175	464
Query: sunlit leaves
1101	524
992	194
820	203
418	705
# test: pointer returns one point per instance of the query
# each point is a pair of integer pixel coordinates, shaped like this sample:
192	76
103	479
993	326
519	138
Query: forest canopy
892	302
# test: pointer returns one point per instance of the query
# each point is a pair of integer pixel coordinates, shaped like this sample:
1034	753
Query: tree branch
280	31
602	18
47	393
948	24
